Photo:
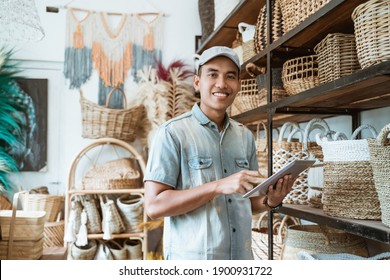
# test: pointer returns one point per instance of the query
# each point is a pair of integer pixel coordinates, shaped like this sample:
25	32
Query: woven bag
372	31
102	121
336	56
131	209
94	221
86	252
286	150
114	174
349	189
117	250
318	239
380	161
111	220
134	249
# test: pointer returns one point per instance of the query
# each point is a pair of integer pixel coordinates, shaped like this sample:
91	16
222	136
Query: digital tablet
293	168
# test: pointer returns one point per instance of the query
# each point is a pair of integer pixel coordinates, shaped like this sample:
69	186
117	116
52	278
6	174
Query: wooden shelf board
246	11
116	191
375	230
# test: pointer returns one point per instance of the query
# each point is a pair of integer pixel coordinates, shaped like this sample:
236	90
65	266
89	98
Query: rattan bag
380	161
102	121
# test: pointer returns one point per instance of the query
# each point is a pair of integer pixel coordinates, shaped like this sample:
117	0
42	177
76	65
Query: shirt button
234	230
230	200
225	170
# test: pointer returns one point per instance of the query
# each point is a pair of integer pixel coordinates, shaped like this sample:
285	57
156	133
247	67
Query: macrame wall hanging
78	63
148	40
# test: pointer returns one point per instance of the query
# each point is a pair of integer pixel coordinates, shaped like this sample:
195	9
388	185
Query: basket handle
284	128
265	133
12	225
383	135
313	124
111	93
364	126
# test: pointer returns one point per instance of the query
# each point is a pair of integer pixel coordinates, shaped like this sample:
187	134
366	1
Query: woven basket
336	56
261	34
248	97
101	121
52	204
300	74
131	210
115	174
278	92
296	11
262	150
87	252
248	50
372	31
111	219
349	189
237	47
380	161
54	234
321	240
21	233
286	150
94	220
260	235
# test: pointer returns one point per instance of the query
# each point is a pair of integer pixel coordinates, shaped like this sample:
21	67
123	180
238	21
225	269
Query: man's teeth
220	94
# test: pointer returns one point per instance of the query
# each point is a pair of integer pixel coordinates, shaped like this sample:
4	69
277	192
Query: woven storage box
54	234
372	32
51	204
115	174
248	97
336	56
101	121
380	161
286	150
300	74
349	189
21	233
321	240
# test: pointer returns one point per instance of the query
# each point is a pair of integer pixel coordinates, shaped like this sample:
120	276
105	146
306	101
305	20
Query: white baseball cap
213	52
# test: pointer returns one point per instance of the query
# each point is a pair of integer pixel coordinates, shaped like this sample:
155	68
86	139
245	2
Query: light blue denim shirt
189	151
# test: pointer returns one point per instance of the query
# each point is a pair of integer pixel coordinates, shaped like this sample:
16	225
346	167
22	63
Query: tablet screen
294	168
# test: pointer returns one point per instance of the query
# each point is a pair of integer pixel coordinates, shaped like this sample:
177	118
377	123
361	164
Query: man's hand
282	188
240	182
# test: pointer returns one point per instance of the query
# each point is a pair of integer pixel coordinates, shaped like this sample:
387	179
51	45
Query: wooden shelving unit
363	90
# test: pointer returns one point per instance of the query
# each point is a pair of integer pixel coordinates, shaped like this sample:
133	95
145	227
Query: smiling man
200	164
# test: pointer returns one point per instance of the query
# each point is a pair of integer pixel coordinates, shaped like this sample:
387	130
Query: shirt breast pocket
242	164
201	170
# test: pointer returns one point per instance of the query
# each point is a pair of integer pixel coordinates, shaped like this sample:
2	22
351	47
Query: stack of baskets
336	56
102	121
372	32
21	233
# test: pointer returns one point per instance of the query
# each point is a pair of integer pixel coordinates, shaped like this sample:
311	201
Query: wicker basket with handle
102	121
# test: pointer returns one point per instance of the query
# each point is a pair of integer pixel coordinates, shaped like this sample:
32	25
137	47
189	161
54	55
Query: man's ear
196	82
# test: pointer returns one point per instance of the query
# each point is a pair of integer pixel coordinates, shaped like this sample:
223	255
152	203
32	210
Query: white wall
44	59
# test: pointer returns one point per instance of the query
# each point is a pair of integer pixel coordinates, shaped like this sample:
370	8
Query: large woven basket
21	233
337	56
349	189
296	11
54	234
372	31
52	204
248	97
380	161
321	240
102	121
300	74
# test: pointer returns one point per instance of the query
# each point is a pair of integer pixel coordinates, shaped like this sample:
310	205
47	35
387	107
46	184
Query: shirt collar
203	119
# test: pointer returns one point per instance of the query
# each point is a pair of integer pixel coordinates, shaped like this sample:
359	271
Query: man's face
218	85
